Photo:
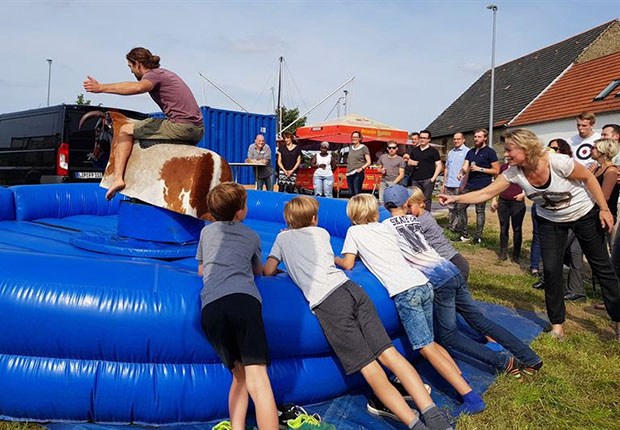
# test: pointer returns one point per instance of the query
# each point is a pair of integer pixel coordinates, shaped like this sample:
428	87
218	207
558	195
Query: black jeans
354	182
591	237
426	186
511	211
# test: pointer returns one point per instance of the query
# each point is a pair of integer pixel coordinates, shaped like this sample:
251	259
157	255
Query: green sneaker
226	425
308	422
222	425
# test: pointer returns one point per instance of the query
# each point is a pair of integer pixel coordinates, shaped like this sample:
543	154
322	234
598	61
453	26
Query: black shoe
476	241
375	407
461	238
503	254
574	297
401	389
290	411
539	285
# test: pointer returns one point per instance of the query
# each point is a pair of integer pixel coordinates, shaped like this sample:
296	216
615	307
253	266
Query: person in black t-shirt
289	160
428	166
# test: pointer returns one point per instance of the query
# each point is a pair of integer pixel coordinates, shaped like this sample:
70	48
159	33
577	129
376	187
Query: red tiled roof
517	83
575	91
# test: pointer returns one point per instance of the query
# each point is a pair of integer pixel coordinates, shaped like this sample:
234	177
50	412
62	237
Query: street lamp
494	9
49	80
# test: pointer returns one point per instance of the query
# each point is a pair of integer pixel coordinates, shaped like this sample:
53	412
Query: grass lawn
579	384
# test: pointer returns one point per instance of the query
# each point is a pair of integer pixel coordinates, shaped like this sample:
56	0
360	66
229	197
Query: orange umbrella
339	130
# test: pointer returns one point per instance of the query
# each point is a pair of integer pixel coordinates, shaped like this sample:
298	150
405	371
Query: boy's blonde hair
363	209
299	211
417	196
225	200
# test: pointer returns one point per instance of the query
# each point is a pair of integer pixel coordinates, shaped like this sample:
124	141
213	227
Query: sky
411	59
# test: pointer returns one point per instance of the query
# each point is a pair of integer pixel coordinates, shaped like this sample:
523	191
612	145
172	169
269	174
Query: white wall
566	128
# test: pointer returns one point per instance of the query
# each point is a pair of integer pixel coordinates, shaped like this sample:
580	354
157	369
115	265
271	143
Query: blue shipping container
230	133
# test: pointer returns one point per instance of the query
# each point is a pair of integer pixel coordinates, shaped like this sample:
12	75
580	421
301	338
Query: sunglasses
555	148
392	147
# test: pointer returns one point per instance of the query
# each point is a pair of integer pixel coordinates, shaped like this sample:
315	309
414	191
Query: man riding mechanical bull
183	122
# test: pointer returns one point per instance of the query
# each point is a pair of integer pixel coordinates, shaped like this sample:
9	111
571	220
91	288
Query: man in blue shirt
451	185
479	168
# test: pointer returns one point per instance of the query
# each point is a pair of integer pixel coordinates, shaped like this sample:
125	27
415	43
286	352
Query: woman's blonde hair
607	147
299	211
527	141
363	209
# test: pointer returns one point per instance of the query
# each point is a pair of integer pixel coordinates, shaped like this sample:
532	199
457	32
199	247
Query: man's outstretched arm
91	85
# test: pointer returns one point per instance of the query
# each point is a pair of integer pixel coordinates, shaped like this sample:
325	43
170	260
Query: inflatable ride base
348	412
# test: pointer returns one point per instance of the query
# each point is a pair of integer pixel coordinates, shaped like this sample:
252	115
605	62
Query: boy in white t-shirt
347	316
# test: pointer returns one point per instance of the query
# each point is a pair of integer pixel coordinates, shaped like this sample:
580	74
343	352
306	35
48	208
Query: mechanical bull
169	175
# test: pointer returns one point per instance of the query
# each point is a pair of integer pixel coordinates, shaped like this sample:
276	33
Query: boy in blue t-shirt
229	255
451	292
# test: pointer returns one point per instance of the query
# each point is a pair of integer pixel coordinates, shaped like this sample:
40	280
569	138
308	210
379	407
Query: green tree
288	116
81	101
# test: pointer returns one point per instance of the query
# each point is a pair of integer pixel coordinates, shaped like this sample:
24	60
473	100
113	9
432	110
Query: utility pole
494	9
49	80
346	93
280	98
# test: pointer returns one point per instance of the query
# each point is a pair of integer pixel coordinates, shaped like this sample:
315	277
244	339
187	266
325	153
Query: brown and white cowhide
172	176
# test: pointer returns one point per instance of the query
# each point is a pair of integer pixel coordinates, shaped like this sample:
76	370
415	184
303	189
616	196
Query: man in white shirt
581	143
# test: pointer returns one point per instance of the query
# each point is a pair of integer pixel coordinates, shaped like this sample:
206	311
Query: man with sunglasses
391	167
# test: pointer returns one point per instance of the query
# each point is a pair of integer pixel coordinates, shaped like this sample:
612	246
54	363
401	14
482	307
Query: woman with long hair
557	184
289	160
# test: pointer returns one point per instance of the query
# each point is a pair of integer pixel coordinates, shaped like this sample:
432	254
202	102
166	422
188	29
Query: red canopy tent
339	130
375	135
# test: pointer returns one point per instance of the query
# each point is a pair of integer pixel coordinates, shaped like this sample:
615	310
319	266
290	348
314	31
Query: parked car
45	145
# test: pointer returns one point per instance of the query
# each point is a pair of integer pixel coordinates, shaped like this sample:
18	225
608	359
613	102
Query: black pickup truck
45	145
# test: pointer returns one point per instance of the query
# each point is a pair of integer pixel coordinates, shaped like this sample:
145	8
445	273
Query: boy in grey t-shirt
347	316
229	256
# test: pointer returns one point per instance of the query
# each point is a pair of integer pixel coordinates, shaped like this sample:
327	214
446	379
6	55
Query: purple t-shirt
173	96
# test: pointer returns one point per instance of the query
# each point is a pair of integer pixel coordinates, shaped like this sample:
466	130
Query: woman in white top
323	179
556	184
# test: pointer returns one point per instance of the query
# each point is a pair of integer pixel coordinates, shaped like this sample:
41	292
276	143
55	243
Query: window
608	89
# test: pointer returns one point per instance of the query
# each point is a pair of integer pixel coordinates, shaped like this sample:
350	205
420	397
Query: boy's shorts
415	309
352	327
234	326
163	129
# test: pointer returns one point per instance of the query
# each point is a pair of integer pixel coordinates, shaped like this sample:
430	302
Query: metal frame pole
494	9
49	80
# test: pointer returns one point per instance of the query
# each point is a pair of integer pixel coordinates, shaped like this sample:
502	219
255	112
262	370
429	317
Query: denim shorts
415	309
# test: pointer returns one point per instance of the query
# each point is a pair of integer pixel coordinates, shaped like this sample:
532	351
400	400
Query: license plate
89	175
